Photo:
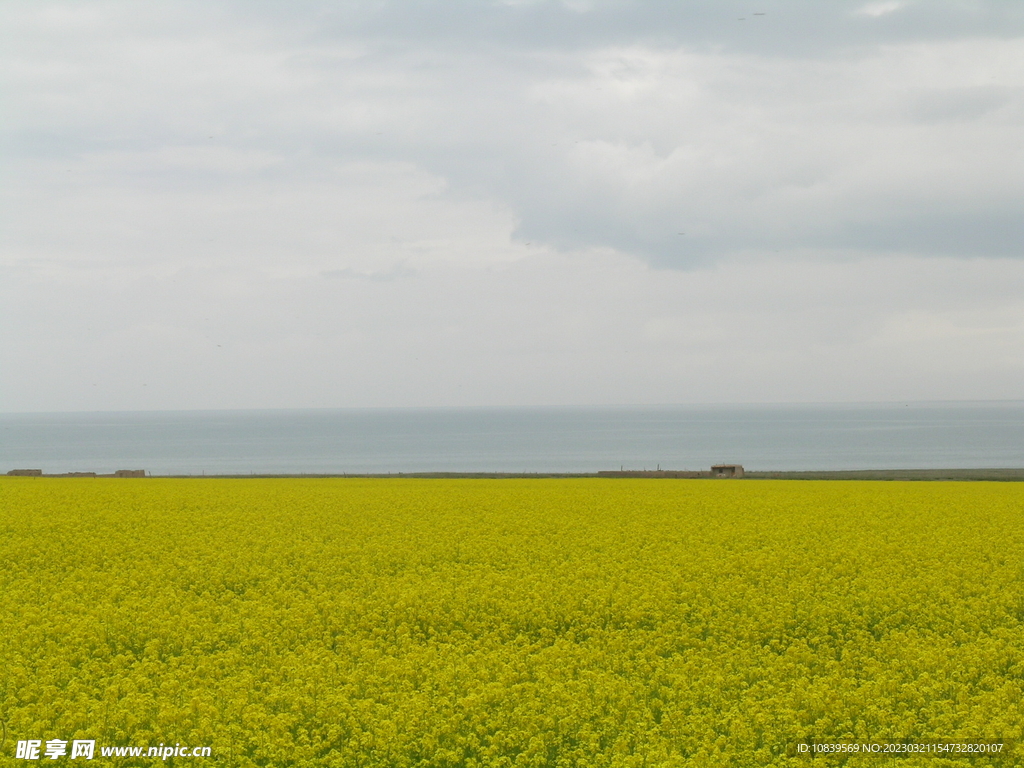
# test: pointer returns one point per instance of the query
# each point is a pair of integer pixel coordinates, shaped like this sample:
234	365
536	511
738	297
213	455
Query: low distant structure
39	473
718	470
727	470
652	473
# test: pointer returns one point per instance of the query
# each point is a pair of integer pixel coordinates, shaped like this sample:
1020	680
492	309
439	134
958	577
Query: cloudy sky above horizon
346	204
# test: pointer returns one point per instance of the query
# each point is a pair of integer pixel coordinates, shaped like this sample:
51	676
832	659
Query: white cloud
875	10
591	328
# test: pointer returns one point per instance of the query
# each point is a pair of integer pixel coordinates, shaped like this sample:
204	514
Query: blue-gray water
896	436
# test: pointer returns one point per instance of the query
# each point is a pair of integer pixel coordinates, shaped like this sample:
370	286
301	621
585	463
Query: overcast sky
328	204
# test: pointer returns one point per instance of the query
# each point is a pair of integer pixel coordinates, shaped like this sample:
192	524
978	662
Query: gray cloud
776	27
597	124
486	180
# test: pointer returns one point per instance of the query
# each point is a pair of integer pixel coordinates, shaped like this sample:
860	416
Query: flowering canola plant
569	622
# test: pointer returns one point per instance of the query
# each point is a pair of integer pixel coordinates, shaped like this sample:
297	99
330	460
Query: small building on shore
727	470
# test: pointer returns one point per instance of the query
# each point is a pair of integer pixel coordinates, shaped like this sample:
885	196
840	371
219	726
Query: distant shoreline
774	442
992	474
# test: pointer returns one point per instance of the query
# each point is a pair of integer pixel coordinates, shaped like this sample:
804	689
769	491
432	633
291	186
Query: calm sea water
894	436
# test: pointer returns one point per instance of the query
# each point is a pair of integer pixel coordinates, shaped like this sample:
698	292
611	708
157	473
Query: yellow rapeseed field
399	623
